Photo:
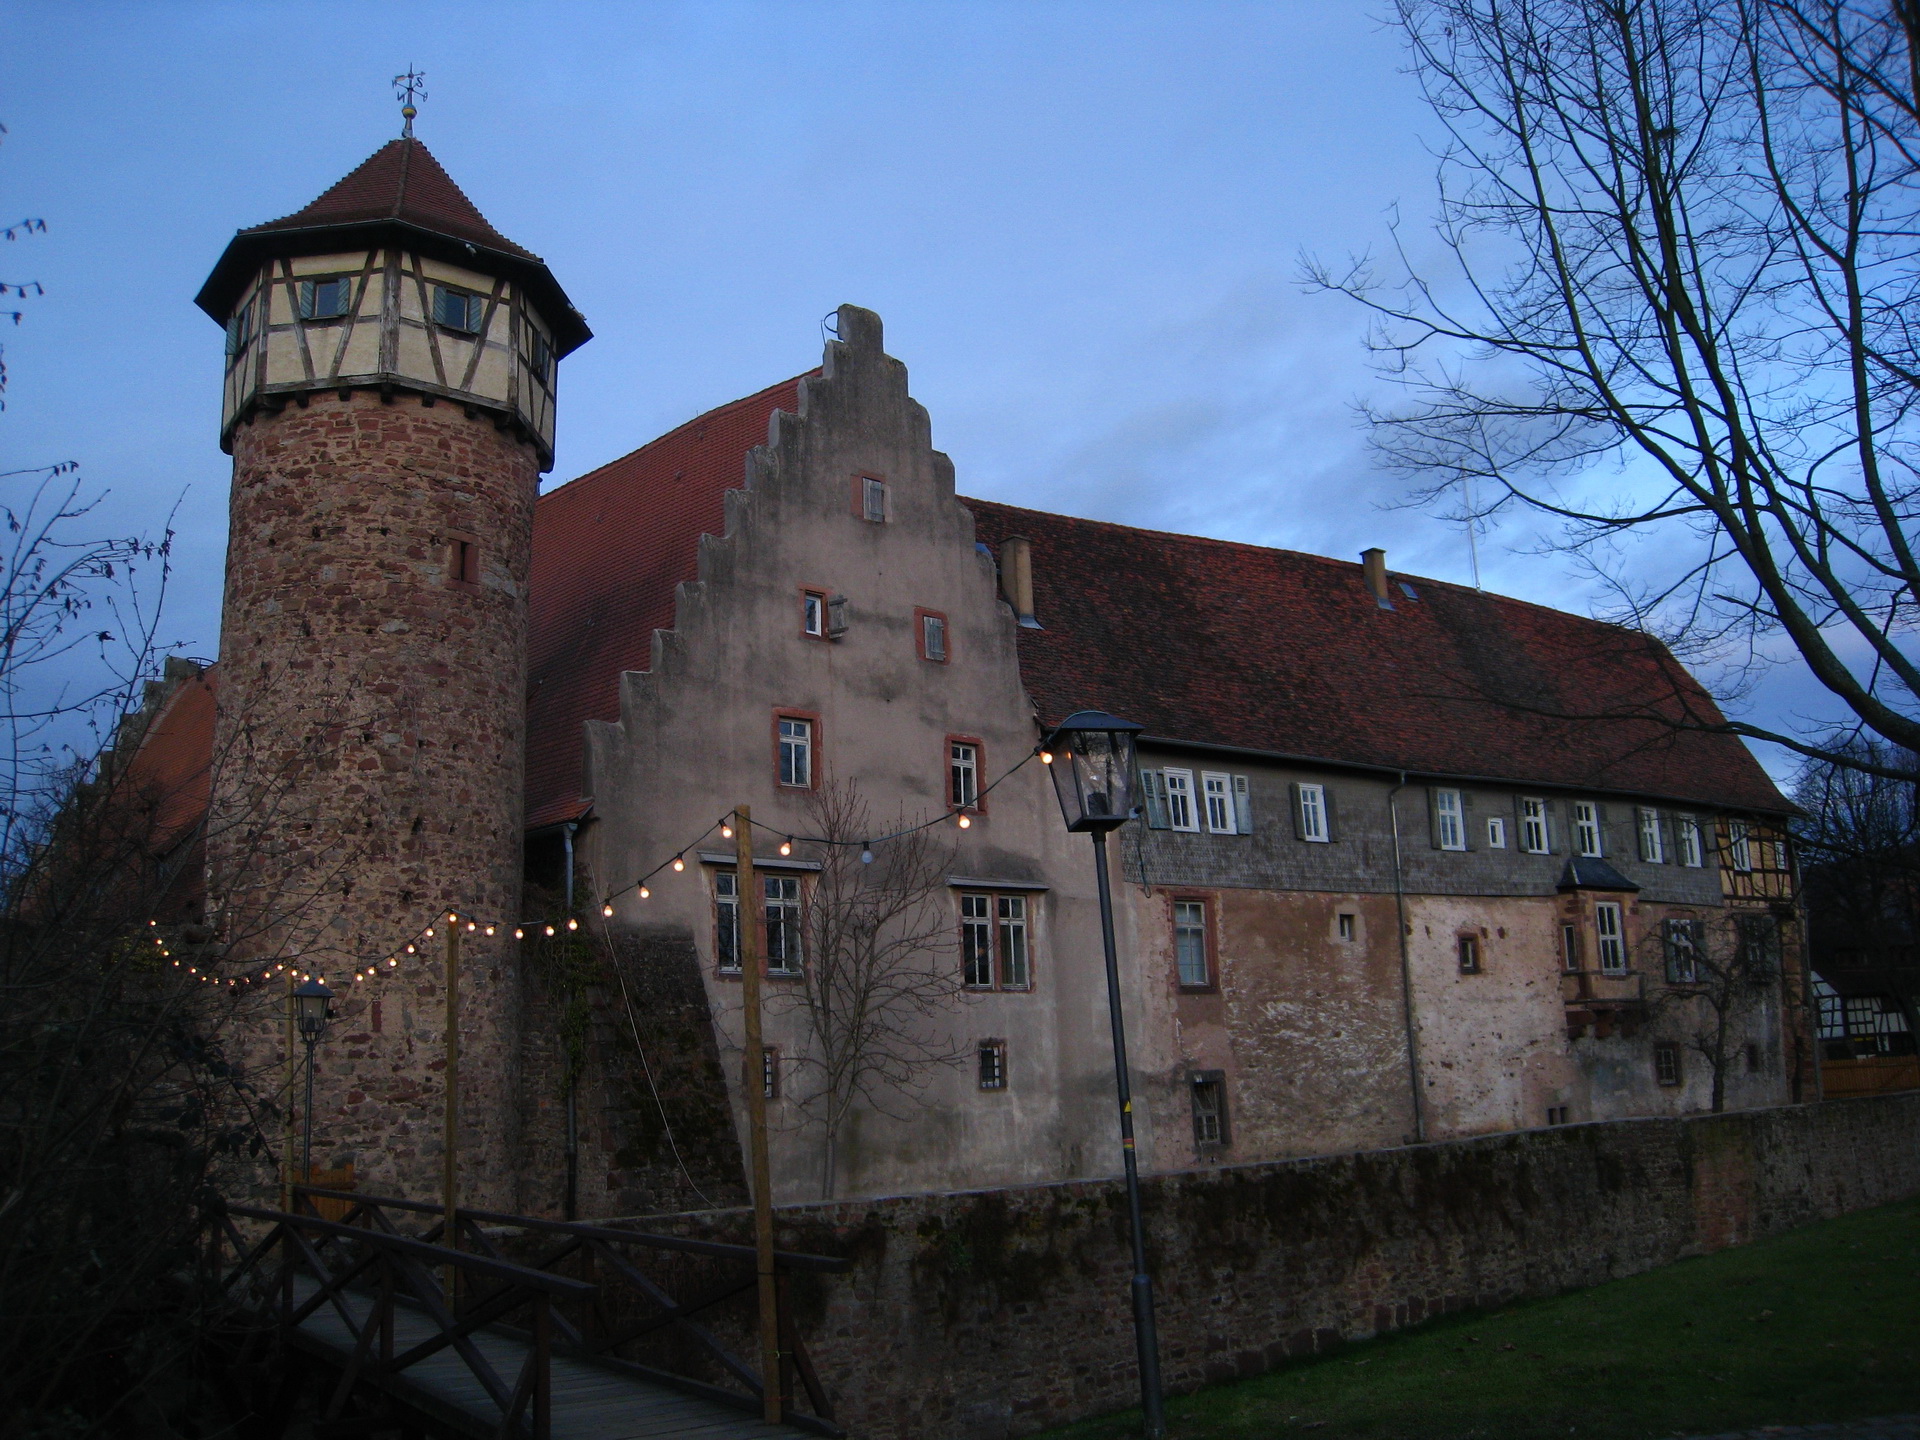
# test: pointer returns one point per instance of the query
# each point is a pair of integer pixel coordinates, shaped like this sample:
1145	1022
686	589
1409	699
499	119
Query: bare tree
1720	976
1683	255
878	978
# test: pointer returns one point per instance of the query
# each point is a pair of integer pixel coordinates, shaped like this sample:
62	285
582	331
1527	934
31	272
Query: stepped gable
609	549
1227	644
399	181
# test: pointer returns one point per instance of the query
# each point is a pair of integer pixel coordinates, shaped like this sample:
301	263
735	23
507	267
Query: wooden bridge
524	1328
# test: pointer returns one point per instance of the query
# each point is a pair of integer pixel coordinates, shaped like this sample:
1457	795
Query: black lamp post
1091	755
310	1000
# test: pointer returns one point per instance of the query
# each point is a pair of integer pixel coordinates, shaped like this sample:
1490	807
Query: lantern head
310	1000
1093	770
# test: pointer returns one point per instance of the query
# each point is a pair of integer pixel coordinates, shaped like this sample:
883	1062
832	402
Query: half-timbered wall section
389	318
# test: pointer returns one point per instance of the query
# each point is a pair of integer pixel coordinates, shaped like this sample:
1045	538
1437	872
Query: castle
1415	861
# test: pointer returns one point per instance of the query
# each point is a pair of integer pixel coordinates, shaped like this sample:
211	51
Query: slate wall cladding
990	1314
369	749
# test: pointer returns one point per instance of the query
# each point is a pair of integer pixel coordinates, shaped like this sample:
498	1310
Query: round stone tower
389	406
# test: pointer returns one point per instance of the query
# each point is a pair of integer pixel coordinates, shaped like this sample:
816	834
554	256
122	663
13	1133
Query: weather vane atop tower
408	88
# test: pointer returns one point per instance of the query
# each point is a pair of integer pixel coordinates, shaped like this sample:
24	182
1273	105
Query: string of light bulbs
676	862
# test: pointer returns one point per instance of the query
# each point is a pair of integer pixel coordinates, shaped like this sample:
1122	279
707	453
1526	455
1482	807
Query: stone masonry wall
368	761
977	1316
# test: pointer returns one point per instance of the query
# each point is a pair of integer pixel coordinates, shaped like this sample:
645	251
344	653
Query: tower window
457	309
326	299
1348	925
1469	950
463	561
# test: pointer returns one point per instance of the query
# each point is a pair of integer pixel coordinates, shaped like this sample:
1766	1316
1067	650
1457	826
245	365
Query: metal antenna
408	88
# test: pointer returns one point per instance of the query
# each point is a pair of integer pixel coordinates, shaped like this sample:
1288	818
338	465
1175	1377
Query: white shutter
1154	786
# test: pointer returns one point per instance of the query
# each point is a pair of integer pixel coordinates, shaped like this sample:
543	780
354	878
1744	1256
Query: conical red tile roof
399	181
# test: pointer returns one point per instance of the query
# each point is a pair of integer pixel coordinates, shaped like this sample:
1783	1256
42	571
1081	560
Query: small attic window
326	299
456	309
873	499
1408	591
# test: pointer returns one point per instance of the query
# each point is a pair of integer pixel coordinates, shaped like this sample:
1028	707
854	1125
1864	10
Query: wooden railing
364	1275
605	1310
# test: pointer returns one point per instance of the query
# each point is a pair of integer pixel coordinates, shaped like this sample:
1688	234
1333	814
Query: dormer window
326	299
456	309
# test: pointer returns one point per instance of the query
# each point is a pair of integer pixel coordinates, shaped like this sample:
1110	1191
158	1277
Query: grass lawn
1822	1323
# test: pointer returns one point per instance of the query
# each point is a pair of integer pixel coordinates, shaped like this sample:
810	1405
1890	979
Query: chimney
1016	578
1374	567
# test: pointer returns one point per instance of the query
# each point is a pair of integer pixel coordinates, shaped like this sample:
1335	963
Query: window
457	309
1753	1059
1180	811
769	1072
1449	820
1759	940
463	561
1613	943
1586	828
1860	1026
1016	972
1190	944
781	946
1468	947
992	1056
326	299
813	614
783	923
976	941
963	774
1496	833
1349	925
1684	940
1556	1114
1687	827
726	918
996	928
1569	947
1217	792
240	330
1310	814
933	636
1533	826
871	498
1739	846
540	356
1243	804
1209	1108
1653	847
1666	1062
796	752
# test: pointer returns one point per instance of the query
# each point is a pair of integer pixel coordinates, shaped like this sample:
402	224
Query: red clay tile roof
1218	643
399	181
608	550
170	770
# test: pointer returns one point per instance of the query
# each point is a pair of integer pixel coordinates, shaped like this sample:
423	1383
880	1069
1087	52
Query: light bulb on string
786	846
489	929
1046	757
429	932
679	864
549	932
391	962
965	822
412	951
644	892
471	927
572	924
518	933
866	852
451	917
726	831
607	910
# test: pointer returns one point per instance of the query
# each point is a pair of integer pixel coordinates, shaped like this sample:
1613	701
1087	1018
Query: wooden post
748	908
449	1167
293	1079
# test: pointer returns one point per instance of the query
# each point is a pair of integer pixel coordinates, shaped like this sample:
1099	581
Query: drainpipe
1406	967
573	1119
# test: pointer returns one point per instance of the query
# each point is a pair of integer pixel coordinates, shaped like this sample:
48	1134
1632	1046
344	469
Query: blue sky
1082	224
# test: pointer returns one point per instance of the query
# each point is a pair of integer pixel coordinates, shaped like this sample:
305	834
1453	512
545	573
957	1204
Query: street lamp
1091	756
310	1000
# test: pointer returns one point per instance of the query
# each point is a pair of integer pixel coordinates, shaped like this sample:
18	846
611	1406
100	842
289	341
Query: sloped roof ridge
705	416
1250	547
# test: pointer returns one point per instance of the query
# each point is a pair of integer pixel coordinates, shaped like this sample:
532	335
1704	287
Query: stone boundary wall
989	1314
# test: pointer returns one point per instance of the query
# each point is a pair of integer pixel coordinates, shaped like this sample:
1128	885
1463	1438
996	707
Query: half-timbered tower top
392	280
